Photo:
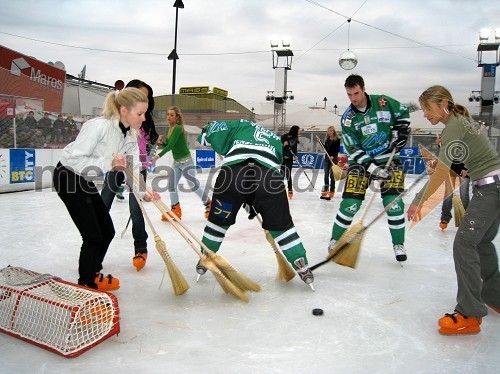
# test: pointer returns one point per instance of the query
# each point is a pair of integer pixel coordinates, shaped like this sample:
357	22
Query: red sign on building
24	76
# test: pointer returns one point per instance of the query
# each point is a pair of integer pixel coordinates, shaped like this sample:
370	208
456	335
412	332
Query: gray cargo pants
475	255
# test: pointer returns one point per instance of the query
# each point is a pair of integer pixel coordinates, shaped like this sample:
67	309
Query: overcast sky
403	46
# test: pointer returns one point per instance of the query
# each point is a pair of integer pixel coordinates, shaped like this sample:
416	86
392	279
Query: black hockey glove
250	210
378	172
399	137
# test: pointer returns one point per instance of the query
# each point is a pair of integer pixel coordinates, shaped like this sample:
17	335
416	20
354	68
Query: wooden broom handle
171	217
144	213
373	195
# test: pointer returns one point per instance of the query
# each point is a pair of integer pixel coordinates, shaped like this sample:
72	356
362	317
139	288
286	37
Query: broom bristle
179	284
226	284
337	172
240	280
348	256
458	209
285	271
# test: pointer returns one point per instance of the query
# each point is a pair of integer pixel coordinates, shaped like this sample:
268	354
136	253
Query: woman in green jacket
183	164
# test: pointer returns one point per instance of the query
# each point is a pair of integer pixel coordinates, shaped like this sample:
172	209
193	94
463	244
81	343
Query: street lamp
335	108
282	63
325	100
173	55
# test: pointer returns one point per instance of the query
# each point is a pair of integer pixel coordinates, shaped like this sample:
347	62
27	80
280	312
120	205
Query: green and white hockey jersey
241	140
367	136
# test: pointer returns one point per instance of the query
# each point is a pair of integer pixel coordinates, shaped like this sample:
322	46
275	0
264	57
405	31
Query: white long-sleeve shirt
91	154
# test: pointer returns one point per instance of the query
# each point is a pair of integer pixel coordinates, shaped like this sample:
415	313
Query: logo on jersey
261	135
370	129
366	119
347	123
382	102
216	127
384	116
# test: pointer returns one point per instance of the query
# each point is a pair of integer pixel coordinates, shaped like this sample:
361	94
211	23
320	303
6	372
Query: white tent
311	119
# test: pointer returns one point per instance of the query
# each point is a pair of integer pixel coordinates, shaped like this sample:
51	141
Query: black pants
111	183
91	217
251	184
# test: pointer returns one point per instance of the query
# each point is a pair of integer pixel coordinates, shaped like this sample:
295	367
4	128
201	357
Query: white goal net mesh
54	314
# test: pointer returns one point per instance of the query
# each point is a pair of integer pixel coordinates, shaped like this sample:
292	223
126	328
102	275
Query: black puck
318	312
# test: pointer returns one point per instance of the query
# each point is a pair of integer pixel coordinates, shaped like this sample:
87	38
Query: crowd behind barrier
37	129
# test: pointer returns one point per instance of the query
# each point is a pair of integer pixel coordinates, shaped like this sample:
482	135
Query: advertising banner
309	160
25	76
22	165
205	158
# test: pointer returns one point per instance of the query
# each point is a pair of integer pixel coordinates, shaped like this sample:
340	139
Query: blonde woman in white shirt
92	153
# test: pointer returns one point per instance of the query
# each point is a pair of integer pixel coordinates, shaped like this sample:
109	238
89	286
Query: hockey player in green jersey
251	174
372	127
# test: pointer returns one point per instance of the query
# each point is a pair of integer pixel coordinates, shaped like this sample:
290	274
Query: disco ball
348	60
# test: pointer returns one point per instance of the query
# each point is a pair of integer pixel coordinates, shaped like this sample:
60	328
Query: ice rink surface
378	318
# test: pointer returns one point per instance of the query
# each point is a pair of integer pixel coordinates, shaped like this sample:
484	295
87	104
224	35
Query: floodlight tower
282	62
487	96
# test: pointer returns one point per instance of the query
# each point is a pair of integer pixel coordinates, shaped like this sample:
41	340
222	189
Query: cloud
402	47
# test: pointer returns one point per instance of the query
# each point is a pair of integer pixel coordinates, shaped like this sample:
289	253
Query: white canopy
310	119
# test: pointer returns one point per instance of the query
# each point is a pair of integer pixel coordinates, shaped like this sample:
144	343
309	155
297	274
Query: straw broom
225	283
336	170
285	271
179	284
225	267
339	249
348	255
458	206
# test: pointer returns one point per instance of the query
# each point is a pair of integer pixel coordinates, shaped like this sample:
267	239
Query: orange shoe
139	260
443	225
494	308
101	313
106	283
290	194
330	194
324	195
208	205
457	324
176	209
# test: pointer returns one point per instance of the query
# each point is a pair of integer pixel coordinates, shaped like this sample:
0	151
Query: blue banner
309	160
205	158
22	165
412	162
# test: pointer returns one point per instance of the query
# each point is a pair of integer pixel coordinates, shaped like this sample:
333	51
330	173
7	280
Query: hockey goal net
59	316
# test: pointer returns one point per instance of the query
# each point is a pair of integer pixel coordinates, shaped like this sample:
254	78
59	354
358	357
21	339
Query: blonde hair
437	94
335	135
179	122
128	98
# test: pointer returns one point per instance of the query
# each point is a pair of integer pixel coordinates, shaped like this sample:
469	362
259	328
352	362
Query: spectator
332	146
45	124
38	140
7	139
290	142
58	129
30	120
69	128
